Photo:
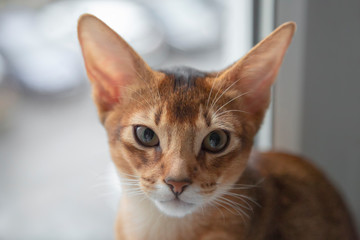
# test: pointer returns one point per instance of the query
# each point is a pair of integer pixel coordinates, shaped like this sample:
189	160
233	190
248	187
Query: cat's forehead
182	97
183	91
183	76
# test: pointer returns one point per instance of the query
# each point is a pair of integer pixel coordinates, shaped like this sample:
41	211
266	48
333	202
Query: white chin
175	208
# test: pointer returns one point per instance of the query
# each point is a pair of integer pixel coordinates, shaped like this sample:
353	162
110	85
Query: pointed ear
111	64
256	72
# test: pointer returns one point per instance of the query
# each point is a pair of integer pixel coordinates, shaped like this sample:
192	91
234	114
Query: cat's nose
177	186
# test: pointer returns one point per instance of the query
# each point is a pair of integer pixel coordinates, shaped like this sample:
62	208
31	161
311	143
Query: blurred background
56	177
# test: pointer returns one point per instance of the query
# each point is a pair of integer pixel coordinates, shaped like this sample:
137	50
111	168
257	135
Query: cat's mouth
175	207
177	202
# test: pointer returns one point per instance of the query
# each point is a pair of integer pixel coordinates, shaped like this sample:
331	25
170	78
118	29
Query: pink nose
177	186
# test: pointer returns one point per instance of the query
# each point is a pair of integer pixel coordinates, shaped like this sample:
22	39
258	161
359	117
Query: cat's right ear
253	75
111	64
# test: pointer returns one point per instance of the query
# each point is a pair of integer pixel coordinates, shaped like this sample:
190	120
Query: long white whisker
228	111
124	180
129	178
213	204
130	175
231	100
137	93
212	87
220	203
217	92
248	205
128	181
236	206
227	89
237	212
244	196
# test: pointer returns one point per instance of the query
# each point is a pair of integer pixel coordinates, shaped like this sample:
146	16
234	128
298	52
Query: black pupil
214	139
148	135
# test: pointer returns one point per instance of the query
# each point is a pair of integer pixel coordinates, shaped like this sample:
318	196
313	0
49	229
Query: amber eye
146	136
215	141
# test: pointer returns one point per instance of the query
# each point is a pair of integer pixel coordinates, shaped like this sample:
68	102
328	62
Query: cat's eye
215	141
146	136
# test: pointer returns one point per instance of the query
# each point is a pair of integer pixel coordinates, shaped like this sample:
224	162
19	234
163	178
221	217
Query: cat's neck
141	218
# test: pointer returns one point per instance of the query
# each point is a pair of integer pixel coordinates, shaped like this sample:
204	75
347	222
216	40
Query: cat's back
305	205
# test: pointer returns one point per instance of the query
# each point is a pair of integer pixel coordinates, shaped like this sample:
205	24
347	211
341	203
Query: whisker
220	87
228	111
236	206
212	87
213	204
128	181
220	203
237	212
129	178
130	175
248	205
231	100
227	89
132	189
202	210
136	92
125	180
243	196
238	185
134	194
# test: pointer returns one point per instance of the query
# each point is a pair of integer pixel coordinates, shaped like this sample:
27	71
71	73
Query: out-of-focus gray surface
317	96
53	161
331	124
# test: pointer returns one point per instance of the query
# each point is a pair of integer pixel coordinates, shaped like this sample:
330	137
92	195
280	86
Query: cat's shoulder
293	176
281	164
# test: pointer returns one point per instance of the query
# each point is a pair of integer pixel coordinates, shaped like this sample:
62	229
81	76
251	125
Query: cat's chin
175	208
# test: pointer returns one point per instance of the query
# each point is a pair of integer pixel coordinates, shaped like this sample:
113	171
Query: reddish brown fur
291	198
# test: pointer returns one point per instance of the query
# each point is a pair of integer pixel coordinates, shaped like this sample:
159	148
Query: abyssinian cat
181	140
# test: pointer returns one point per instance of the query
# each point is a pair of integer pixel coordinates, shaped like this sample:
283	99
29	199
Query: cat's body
293	201
182	141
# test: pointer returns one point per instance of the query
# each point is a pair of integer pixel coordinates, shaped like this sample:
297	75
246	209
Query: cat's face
181	138
182	146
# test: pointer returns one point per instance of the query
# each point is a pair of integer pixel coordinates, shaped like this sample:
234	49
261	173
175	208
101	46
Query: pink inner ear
108	86
106	93
257	71
109	60
258	78
257	100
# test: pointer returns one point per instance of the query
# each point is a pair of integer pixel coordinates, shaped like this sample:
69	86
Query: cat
181	140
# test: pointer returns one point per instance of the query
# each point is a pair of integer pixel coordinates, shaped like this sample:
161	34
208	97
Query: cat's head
181	137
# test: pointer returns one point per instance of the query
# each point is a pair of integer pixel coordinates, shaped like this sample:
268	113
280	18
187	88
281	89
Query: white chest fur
140	219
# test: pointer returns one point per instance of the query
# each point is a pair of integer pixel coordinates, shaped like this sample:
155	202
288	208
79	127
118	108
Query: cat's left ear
112	66
254	74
